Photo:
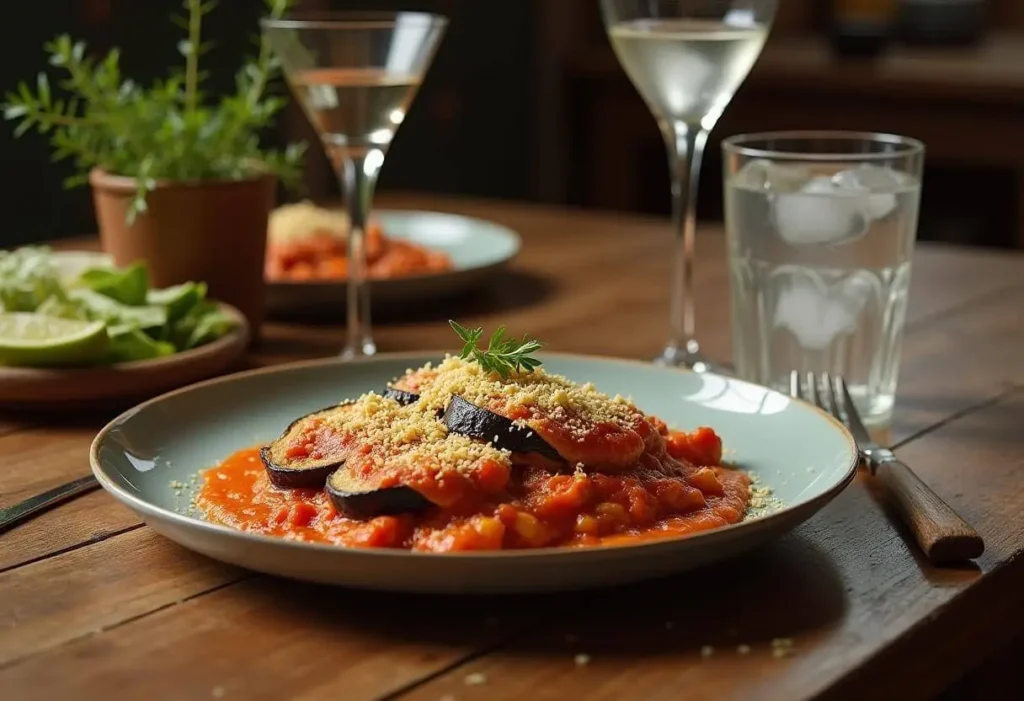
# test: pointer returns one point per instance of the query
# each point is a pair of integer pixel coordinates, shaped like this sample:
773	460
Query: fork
942	535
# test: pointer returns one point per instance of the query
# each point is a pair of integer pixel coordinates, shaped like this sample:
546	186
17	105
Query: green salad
100	315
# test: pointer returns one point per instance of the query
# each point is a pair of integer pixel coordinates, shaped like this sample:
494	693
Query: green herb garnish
171	130
502	356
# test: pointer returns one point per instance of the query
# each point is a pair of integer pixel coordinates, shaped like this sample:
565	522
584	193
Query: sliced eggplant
401	396
468	419
302	472
357	497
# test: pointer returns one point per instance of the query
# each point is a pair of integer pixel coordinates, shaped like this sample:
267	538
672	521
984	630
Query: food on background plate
483	451
102	315
306	242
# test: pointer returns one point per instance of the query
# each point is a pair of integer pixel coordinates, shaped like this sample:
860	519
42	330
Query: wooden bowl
46	388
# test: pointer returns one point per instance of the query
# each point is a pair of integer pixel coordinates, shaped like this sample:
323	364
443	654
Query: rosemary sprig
502	355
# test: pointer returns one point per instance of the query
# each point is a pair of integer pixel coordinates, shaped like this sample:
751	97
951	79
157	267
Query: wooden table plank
300	641
99	586
589	296
842	587
87	519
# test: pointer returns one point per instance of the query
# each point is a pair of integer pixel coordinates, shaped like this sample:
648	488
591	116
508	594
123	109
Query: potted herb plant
179	181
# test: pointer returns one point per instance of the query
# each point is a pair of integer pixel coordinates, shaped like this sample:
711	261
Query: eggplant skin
401	396
468	419
299	474
355	499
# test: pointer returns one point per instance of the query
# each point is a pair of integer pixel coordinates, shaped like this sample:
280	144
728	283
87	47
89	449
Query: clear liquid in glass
355	107
820	272
687	69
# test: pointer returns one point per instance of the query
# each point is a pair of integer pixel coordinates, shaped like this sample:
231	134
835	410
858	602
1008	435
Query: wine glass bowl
355	76
686	58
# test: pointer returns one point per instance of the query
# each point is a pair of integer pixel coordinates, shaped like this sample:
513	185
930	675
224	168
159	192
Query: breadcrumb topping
396	431
531	394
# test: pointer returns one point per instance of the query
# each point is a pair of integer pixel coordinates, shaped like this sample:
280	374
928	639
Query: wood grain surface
95	605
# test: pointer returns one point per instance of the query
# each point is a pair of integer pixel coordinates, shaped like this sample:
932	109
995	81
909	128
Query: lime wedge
43	341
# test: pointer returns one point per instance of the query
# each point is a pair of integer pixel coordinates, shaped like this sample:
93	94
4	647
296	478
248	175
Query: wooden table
95	605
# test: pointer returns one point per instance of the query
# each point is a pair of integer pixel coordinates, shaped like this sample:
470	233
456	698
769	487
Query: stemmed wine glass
686	58
355	75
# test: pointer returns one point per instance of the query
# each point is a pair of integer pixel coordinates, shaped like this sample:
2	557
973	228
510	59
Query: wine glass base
676	357
366	350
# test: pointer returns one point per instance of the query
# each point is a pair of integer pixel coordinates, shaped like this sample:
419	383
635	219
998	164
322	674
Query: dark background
525	101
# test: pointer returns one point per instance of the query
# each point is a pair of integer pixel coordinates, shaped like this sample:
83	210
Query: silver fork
942	535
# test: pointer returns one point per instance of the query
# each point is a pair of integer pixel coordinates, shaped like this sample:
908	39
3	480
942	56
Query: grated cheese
405	433
304	219
475	679
535	393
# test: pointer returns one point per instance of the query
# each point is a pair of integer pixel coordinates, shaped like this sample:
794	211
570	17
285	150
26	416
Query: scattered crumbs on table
743	649
669	625
581	660
571	638
782	647
217	692
475	679
707	651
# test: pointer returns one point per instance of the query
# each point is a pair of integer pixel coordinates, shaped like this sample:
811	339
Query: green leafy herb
28	277
167	131
142	323
502	355
127	285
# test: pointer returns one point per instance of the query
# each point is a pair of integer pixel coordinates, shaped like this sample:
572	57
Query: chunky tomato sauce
677	487
323	256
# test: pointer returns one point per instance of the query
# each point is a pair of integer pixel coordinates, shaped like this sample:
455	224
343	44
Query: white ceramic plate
476	247
802	454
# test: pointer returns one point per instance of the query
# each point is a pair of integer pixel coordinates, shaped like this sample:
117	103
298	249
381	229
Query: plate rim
515	239
139	505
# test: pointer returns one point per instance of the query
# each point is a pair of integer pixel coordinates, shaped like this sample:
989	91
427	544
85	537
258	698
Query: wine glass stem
685	149
359	170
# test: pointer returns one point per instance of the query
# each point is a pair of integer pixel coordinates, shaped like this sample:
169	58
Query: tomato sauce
322	256
677	487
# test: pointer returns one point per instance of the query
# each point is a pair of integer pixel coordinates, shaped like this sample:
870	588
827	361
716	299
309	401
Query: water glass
820	229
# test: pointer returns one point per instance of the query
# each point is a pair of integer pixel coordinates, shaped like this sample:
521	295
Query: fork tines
832	395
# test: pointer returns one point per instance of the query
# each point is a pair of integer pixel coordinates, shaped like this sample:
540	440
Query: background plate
476	247
803	455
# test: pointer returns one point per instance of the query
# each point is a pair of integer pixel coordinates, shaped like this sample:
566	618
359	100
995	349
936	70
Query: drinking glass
820	229
355	76
686	58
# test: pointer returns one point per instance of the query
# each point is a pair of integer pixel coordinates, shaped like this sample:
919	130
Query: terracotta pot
211	231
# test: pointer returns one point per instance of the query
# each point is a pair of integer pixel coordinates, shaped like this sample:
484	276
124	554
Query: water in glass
820	269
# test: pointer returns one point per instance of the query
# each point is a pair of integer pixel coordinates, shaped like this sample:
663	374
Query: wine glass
355	76
686	58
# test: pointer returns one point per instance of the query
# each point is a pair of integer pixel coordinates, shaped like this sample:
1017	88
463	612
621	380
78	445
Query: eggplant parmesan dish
483	451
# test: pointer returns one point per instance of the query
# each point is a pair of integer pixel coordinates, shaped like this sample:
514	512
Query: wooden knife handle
943	536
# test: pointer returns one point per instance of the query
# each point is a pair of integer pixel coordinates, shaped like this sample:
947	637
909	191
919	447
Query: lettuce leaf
128	343
127	285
